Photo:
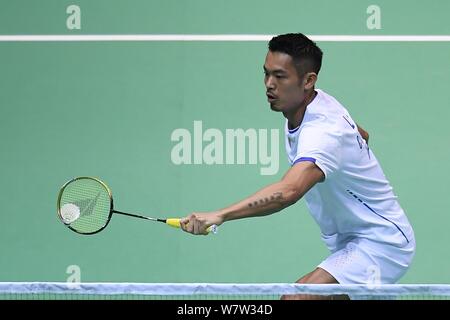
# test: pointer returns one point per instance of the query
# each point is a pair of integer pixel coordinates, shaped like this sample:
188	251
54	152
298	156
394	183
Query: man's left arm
296	182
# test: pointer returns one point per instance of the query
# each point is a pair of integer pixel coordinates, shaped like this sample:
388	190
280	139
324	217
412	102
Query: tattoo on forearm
275	196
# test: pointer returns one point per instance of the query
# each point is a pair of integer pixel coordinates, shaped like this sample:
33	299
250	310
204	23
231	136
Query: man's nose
270	84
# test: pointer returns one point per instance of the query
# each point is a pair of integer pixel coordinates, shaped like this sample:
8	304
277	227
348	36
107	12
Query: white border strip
260	289
218	37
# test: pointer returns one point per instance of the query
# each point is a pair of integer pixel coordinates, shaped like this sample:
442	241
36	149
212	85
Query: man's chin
275	107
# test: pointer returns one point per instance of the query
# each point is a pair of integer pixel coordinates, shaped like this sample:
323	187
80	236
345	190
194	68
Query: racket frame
111	208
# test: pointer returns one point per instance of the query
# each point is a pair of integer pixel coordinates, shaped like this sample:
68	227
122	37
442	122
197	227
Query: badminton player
332	167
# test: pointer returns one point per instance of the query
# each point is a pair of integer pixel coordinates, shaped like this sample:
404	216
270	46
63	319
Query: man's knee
318	276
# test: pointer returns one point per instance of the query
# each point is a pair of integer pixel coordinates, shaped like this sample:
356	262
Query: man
346	191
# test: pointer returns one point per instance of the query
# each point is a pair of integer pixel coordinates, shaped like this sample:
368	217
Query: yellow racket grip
175	222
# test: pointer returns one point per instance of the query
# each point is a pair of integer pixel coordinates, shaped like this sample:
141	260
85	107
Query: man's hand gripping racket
201	223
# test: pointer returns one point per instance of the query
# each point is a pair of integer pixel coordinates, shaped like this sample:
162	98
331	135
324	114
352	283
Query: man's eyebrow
274	71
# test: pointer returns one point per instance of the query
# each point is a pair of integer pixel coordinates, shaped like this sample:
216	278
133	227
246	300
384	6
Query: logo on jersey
348	121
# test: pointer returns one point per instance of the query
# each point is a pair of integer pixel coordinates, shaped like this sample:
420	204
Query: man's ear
309	80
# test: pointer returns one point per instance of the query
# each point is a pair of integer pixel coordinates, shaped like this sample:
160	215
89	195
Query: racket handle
175	222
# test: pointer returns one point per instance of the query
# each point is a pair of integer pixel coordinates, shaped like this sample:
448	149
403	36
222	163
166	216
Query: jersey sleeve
322	146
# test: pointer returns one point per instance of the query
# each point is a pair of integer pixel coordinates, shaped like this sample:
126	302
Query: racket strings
93	201
87	205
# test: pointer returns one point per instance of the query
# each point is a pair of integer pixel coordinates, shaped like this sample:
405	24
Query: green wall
108	109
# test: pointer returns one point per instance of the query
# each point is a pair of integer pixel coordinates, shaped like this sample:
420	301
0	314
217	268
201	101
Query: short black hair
306	55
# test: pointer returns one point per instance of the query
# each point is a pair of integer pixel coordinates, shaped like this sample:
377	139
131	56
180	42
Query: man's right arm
364	134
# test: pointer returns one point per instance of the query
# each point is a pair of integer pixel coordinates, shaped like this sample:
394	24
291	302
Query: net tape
261	289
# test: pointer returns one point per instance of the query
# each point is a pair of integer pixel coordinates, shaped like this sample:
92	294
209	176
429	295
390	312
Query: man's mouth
271	97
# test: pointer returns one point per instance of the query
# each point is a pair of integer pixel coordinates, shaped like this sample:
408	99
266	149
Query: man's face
285	91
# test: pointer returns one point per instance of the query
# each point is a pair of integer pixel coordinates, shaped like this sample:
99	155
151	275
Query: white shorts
364	261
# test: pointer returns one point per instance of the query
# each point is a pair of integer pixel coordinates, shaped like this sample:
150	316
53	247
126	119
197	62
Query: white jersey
355	200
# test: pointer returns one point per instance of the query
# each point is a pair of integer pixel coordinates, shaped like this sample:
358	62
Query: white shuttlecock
69	213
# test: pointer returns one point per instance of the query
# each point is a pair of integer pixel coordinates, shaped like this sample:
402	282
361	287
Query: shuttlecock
69	213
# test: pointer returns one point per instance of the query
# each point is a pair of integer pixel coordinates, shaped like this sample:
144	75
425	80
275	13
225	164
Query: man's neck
295	118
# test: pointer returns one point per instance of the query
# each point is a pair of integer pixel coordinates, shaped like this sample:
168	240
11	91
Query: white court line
218	37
